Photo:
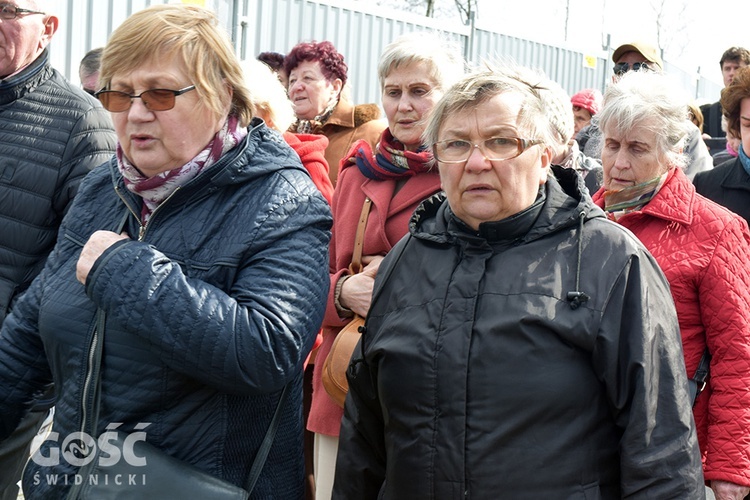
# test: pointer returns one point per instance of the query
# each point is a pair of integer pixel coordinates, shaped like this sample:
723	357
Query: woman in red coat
414	70
704	251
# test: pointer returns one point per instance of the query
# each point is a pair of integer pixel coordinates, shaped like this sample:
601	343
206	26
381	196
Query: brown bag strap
359	241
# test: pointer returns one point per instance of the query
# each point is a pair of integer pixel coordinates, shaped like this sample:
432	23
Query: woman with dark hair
317	77
729	183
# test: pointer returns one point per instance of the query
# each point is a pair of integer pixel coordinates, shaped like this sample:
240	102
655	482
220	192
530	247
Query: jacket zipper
143	227
89	378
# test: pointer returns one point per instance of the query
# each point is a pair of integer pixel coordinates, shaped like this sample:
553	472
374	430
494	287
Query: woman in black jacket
519	345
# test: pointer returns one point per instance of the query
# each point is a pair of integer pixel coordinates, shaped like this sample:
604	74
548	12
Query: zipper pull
141	232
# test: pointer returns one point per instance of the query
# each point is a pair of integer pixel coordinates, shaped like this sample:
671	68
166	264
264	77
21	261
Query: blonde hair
191	33
267	95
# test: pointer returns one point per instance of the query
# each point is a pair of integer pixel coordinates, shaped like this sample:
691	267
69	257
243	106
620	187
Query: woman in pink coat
414	70
704	251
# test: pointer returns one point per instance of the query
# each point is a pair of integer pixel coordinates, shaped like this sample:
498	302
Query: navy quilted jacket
210	311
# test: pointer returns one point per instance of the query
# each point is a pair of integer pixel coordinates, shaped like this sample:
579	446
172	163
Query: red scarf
390	160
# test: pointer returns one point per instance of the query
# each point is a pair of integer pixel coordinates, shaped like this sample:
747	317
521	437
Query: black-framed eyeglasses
623	67
9	11
494	149
90	91
154	99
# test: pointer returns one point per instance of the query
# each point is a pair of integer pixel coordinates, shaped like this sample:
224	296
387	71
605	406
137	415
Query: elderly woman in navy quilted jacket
703	250
196	258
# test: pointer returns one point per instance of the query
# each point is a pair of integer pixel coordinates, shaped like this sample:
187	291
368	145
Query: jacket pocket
592	492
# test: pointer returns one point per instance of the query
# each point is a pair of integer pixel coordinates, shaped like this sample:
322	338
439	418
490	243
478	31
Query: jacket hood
565	199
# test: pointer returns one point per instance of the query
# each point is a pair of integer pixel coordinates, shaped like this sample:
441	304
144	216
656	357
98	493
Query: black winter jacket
484	373
51	134
209	314
728	185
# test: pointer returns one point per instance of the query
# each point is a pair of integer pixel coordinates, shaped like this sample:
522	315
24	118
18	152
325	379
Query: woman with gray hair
414	71
492	363
702	248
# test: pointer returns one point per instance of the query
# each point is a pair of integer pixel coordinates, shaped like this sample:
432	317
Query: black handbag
111	475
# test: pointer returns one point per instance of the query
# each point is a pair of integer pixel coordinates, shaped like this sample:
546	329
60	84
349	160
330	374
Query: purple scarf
156	189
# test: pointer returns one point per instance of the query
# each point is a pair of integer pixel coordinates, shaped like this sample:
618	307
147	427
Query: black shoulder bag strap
698	382
265	446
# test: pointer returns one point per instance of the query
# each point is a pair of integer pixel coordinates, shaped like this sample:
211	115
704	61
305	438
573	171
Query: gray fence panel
359	31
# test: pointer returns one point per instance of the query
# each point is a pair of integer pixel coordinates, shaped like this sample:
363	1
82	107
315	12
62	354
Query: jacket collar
27	80
736	177
675	200
564	201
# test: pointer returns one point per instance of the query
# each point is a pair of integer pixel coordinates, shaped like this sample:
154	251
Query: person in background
695	115
567	151
317	88
275	61
414	71
729	183
271	103
703	250
88	70
730	151
193	262
642	56
731	61
586	104
518	344
51	135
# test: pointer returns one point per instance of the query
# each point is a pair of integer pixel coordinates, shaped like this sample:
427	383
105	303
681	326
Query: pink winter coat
704	251
387	223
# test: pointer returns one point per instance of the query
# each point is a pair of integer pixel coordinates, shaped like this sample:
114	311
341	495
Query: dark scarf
390	160
313	126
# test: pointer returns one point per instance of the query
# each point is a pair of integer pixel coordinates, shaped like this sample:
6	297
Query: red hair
331	62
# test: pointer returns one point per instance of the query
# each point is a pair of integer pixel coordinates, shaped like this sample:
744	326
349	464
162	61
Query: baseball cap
647	50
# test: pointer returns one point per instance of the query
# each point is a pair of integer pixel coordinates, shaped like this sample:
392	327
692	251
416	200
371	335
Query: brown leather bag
337	361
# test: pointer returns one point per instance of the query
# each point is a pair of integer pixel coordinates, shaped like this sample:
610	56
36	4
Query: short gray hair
482	85
444	61
647	96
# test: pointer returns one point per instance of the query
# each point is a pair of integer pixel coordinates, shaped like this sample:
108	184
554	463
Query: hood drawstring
577	297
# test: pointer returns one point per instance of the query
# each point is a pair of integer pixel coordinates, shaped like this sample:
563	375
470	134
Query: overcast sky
712	26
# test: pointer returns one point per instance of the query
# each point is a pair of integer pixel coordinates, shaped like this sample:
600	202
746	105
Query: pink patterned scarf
156	189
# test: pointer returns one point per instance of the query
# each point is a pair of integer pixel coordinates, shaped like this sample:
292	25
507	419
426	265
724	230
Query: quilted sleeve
725	312
261	330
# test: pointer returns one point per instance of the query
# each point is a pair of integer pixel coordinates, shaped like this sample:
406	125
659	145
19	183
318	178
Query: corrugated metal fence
357	29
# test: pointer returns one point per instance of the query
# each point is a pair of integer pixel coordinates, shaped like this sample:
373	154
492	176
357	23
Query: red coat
704	251
311	149
387	223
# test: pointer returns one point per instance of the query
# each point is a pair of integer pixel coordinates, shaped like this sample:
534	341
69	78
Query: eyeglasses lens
622	68
154	100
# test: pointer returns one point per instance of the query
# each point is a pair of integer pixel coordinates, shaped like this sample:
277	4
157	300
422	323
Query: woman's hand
356	292
92	250
724	490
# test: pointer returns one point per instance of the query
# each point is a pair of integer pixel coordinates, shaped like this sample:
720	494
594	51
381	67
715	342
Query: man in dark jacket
731	60
51	135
